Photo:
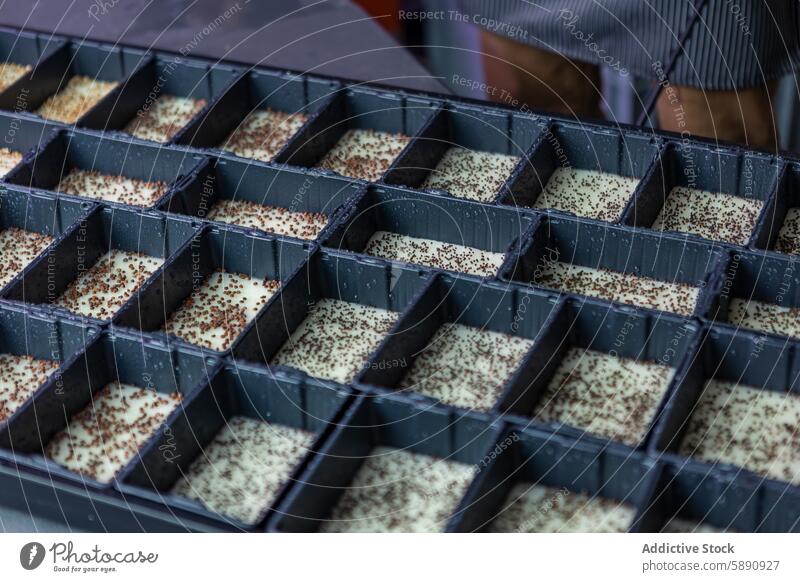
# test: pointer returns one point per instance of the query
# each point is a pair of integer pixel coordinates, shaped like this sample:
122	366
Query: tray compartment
569	467
20	136
485	307
362	109
691	497
70	150
779	227
238	390
98	61
24	334
26	49
745	175
760	292
468	129
161	76
111	357
211	250
584	335
43	218
261	90
563	147
585	244
438	432
220	182
744	359
436	218
102	230
71	506
327	276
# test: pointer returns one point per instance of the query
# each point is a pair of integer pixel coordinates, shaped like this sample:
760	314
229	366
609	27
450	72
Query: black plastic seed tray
237	390
567	467
328	276
618	332
56	68
102	230
441	219
250	255
76	499
364	108
220	180
745	359
25	484
109	155
485	306
370	422
75	508
37	213
471	128
23	333
42	338
715	169
21	134
689	497
581	147
174	77
260	90
758	280
105	359
505	443
588	244
25	49
780	214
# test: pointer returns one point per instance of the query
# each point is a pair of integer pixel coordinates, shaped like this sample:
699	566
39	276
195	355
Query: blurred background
365	40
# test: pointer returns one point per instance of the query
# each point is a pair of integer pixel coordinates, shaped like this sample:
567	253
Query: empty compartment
362	133
274	200
163	99
583	170
80	82
736	407
463	343
96	415
32	348
330	317
468	152
214	288
761	292
538	482
100	262
620	265
779	229
431	231
29	223
713	193
105	168
244	444
21	135
263	115
602	371
19	54
389	466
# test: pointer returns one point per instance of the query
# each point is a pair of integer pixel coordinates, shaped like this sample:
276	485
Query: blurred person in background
547	55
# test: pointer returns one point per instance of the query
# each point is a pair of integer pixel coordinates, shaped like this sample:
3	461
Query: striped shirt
735	43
